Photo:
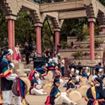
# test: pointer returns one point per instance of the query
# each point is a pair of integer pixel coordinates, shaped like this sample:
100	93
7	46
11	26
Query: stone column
11	31
57	38
38	28
92	40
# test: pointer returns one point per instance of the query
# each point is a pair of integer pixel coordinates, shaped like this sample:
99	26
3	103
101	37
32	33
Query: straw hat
75	96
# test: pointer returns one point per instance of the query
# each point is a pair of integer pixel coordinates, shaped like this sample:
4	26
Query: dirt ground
40	100
36	100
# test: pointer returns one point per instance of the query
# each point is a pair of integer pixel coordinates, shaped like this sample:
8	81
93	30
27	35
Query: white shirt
55	59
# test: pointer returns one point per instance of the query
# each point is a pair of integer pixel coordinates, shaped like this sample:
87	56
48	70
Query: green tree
47	36
24	27
3	30
74	27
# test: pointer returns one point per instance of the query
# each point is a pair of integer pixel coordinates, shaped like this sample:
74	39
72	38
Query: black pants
52	99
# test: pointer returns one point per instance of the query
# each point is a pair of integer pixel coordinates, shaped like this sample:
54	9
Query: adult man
95	93
5	71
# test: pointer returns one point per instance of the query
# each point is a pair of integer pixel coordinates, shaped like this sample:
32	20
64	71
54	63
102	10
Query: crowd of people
93	78
49	79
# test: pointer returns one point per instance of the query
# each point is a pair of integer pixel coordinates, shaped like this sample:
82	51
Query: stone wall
83	47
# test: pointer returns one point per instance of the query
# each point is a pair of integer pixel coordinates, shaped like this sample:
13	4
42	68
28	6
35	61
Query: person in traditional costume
101	73
37	85
85	73
70	85
16	100
95	93
97	67
6	80
13	75
58	75
72	72
79	67
57	97
77	78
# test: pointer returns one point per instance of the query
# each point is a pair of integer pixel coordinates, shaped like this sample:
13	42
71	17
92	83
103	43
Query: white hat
77	71
10	51
72	69
94	77
12	65
100	70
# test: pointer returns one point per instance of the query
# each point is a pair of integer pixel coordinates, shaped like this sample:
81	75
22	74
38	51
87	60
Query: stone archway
58	10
